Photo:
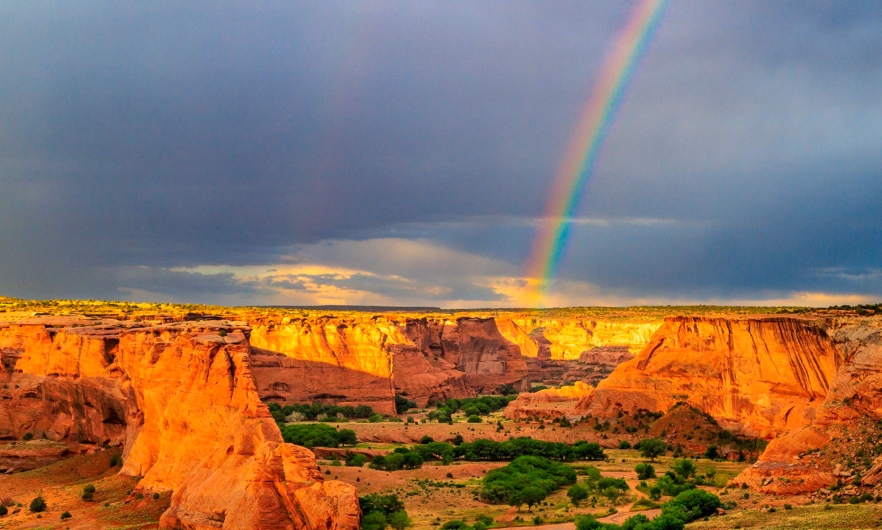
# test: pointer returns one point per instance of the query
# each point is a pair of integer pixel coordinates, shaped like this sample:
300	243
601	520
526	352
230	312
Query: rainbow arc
585	144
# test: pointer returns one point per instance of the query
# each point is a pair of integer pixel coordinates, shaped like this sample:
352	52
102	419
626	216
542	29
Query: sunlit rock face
549	403
855	393
759	376
570	339
182	401
367	360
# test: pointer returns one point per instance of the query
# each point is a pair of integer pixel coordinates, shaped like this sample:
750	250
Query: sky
402	153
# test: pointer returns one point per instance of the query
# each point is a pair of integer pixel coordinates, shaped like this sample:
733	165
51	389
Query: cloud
407	150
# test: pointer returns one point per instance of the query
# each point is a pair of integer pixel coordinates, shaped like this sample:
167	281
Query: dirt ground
61	485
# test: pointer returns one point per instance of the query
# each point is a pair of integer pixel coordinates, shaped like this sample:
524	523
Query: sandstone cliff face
855	393
758	376
475	347
367	360
548	404
571	339
182	399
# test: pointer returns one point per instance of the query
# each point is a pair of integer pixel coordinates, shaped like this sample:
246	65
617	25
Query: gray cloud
140	138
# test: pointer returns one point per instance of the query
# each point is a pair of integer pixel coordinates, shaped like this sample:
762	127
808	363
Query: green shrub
155	495
624	444
402	404
356	460
375	520
65	516
88	492
474	418
484	449
577	493
317	435
116	460
652	447
645	471
456	524
685	468
3	510
387	504
38	504
28	436
526	480
691	505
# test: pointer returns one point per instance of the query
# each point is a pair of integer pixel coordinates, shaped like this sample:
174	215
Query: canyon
183	394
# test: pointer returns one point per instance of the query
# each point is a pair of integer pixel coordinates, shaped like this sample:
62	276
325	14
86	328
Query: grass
799	518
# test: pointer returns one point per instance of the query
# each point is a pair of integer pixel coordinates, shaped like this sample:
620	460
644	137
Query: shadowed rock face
759	376
182	400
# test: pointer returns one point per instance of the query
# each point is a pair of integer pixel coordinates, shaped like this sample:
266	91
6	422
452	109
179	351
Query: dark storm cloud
138	138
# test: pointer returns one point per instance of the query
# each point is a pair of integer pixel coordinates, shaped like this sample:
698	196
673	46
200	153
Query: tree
651	448
346	437
458	440
645	471
712	452
685	468
577	494
531	495
399	520
375	520
426	439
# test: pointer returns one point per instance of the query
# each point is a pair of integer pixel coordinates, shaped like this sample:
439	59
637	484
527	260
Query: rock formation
549	403
760	376
181	399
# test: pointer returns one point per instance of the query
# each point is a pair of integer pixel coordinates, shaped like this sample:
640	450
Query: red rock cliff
182	399
760	376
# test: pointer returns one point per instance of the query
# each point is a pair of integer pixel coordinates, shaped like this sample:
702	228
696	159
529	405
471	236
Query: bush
624	444
426	439
577	494
685	468
38	504
387	504
712	452
526	480
458	440
28	436
116	460
645	471
356	460
474	418
65	516
155	495
88	492
456	524
691	505
3	510
402	404
375	520
484	449
651	448
318	435
399	520
313	411
376	418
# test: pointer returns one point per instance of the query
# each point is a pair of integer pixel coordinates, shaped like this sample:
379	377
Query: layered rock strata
757	376
182	401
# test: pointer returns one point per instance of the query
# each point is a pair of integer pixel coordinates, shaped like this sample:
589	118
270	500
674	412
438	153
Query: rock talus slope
182	399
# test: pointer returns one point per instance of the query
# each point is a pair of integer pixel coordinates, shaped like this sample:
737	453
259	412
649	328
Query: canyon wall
357	359
182	401
758	376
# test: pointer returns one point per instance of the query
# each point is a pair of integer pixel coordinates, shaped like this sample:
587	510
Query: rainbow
585	144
